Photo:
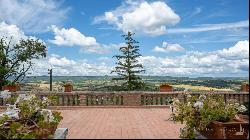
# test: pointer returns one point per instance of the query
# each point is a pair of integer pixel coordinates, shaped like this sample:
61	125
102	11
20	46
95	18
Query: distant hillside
146	78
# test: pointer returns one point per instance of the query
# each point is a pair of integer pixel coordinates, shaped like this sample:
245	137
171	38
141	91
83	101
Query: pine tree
128	67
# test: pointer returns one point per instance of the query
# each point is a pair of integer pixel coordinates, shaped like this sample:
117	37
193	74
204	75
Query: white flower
11	112
198	104
37	108
188	104
47	114
232	102
11	107
46	101
188	95
25	97
5	94
242	108
202	97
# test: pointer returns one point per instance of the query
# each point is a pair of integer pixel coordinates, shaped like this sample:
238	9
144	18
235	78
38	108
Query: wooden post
50	79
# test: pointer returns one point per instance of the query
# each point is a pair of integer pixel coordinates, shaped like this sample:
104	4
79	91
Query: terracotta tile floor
119	123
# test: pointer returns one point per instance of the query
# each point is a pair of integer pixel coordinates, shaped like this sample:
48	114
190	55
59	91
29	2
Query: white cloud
229	62
211	27
72	37
239	51
64	66
214	63
32	16
61	61
166	47
11	32
147	18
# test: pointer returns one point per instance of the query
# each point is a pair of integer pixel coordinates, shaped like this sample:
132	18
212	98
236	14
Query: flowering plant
244	109
199	111
28	117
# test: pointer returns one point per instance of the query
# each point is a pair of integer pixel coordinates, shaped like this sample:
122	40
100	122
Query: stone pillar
132	99
82	98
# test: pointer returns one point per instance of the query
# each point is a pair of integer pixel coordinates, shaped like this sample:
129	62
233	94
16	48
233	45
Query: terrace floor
119	123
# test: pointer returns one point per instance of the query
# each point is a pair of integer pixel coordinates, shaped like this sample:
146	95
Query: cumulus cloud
194	63
63	66
239	51
32	16
147	18
167	47
13	33
72	37
231	61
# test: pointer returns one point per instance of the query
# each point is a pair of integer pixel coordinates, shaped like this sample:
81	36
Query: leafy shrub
28	117
199	111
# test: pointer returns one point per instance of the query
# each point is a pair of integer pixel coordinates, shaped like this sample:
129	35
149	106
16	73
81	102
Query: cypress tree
128	67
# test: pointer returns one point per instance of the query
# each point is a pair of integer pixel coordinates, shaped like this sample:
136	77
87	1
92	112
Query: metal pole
50	79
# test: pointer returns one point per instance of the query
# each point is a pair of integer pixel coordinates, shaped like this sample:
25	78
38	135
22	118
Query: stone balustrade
94	98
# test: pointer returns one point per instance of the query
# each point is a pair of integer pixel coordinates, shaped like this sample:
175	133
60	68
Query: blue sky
177	37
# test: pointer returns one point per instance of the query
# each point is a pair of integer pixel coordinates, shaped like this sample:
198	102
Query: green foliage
199	112
8	82
34	120
16	59
3	119
246	104
128	67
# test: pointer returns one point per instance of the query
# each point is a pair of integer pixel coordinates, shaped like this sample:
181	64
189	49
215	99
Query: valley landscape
105	83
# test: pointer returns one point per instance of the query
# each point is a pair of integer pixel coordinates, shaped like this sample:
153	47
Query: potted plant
68	87
166	88
11	86
209	116
28	118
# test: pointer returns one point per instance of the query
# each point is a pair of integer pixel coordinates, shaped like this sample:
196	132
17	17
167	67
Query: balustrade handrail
137	98
130	92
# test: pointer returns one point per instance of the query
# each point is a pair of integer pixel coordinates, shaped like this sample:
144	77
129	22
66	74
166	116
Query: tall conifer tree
128	67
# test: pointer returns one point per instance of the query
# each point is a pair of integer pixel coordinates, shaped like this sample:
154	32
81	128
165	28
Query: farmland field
105	83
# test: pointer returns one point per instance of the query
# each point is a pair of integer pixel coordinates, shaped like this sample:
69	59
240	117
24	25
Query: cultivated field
105	83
